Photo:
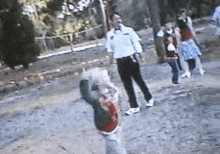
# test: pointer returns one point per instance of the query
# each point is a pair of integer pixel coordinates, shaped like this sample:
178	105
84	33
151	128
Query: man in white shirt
123	45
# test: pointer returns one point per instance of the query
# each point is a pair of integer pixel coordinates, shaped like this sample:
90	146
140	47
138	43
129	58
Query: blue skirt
190	50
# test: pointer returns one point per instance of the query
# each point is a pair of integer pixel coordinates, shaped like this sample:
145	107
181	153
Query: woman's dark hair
112	15
182	11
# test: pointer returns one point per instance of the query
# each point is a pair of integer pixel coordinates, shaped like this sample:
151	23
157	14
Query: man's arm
136	41
136	44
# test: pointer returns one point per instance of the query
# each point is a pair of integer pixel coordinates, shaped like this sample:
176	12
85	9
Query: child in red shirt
97	90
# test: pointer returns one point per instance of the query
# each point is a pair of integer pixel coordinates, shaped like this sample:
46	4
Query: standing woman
190	49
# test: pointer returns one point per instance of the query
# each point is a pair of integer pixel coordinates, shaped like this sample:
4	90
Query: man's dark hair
112	15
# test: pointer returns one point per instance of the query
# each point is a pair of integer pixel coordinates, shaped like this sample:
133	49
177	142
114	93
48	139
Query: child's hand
85	74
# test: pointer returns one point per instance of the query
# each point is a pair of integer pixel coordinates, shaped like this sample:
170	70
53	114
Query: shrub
18	42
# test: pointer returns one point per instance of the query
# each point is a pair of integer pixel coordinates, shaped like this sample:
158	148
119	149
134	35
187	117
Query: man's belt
134	57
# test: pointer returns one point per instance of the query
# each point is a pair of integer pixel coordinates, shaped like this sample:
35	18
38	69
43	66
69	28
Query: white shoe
132	111
150	102
202	71
186	74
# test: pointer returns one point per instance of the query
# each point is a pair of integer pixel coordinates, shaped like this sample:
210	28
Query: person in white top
171	45
216	19
123	44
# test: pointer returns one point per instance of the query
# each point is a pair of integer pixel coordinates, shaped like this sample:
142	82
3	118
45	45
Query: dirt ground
50	117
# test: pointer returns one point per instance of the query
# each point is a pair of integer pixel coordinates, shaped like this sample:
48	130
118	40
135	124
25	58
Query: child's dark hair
112	15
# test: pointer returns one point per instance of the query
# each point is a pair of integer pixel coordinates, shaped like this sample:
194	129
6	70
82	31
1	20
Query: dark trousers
174	66
127	70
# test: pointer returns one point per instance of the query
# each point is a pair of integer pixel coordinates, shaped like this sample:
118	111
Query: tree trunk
155	21
103	16
199	8
212	3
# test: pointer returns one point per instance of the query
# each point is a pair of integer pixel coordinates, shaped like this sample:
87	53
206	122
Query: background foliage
17	38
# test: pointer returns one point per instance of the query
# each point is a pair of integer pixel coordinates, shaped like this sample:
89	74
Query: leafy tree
18	42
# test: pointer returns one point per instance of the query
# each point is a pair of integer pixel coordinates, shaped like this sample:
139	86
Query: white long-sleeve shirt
216	15
124	42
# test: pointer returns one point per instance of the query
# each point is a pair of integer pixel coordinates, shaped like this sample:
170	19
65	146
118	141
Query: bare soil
50	117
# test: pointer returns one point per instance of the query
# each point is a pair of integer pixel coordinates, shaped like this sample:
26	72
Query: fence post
44	42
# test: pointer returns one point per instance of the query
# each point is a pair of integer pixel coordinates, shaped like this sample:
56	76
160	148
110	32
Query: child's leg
186	69
199	65
173	65
113	143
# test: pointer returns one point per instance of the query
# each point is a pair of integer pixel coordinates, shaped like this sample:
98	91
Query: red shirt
114	110
186	34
